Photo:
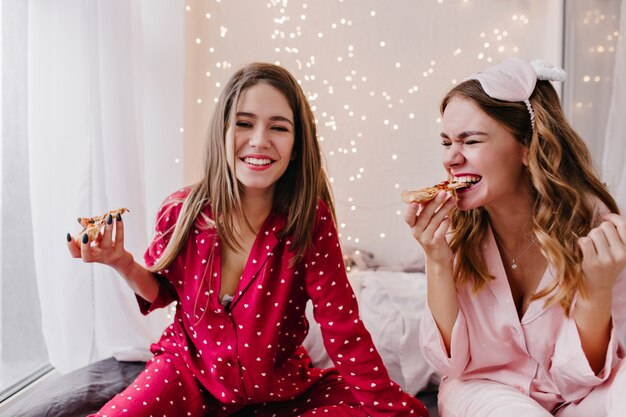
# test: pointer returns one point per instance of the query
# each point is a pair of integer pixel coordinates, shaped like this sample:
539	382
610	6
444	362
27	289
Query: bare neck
512	222
256	210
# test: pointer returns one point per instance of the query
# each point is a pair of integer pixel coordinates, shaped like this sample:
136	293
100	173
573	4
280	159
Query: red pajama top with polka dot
250	351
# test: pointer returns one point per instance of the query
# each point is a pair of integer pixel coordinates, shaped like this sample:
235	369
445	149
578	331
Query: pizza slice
428	193
93	225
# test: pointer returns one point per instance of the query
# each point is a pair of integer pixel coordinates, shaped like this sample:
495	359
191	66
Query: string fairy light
375	95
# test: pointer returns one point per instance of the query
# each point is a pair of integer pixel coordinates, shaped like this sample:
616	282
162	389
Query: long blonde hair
297	191
564	185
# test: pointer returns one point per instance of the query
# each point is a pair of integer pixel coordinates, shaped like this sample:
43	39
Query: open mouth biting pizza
93	225
428	193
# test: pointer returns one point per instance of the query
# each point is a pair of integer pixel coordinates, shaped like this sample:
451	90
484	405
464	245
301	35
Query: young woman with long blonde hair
526	265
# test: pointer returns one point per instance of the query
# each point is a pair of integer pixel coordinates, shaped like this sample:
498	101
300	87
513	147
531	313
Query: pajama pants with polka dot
329	397
166	389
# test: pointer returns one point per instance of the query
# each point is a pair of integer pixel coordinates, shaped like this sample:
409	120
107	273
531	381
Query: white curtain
614	161
105	115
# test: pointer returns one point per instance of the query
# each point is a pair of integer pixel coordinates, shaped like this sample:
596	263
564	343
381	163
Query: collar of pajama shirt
221	343
504	347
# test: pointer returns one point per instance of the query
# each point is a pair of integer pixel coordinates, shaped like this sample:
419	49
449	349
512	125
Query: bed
391	303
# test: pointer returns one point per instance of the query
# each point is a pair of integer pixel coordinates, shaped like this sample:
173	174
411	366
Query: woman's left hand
604	254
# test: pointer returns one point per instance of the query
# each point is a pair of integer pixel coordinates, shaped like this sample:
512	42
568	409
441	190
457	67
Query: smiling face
479	149
264	134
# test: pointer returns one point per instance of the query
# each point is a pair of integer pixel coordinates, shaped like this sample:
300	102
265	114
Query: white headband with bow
514	79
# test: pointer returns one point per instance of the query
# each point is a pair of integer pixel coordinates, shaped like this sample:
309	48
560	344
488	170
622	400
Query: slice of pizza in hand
428	193
93	225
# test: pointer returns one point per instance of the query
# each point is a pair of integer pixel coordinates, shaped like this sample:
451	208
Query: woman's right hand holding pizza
429	224
109	250
106	249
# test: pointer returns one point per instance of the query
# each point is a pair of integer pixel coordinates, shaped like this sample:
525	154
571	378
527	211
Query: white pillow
391	305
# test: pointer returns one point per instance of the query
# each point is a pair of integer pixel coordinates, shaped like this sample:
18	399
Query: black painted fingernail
118	217
85	238
109	219
69	237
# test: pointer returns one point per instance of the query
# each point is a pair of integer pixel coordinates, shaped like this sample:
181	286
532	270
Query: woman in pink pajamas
240	253
526	266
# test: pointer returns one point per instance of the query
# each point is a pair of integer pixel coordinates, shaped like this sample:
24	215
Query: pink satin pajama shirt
249	351
540	355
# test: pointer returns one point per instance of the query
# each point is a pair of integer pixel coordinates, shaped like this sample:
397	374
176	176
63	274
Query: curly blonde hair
563	182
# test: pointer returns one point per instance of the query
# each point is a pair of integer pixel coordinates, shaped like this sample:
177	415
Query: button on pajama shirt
246	358
500	365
